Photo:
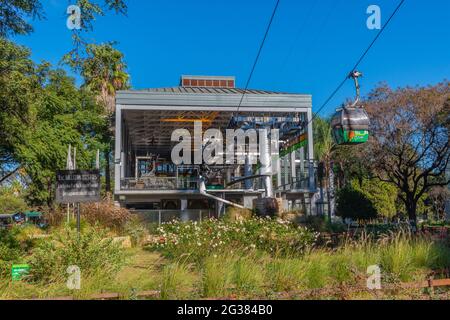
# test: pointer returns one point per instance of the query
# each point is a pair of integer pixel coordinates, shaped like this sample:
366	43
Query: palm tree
324	147
104	72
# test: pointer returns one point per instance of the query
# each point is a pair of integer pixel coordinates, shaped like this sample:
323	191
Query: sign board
18	271
75	186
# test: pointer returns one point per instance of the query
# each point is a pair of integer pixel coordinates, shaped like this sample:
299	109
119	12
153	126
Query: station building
147	180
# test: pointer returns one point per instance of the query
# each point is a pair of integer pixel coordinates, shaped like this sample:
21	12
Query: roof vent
208	81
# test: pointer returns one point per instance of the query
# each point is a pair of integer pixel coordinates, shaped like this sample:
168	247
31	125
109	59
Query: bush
11	251
136	230
107	215
352	203
237	214
90	250
10	203
320	224
382	195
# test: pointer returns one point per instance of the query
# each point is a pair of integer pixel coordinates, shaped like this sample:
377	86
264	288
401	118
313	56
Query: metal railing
158	183
164	216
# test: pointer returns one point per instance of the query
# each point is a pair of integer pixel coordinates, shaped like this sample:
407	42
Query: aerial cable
357	62
258	55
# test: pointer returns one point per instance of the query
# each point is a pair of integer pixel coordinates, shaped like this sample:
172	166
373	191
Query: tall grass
401	257
178	281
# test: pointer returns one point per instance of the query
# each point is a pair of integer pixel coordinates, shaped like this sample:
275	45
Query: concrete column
266	161
293	170
184	214
122	166
278	164
228	173
286	170
302	161
248	201
118	149
312	185
248	184
220	207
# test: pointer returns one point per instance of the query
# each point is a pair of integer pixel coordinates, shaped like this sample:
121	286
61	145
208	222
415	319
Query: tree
104	72
354	204
19	83
41	113
15	14
62	115
324	148
409	147
382	195
438	197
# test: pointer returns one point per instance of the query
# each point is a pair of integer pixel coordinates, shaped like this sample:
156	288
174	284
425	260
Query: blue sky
311	46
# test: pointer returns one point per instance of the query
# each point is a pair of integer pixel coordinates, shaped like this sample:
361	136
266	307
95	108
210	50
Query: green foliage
42	113
323	141
10	203
90	250
62	116
18	81
103	71
320	224
15	245
382	195
11	250
178	282
197	240
354	204
15	15
136	230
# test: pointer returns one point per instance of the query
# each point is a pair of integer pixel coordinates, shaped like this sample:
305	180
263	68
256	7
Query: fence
154	294
163	216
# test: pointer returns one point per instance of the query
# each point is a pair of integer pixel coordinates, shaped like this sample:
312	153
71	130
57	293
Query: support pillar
286	171
184	214
293	171
118	149
248	184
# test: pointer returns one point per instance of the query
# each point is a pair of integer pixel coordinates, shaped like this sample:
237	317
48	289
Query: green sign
18	271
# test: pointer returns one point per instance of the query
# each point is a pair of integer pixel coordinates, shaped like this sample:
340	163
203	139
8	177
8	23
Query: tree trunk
411	209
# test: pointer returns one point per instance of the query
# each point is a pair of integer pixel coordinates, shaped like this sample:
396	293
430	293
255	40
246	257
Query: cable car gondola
350	124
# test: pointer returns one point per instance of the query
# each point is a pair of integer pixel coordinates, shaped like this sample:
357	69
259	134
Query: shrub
107	215
237	214
352	203
11	250
10	203
320	224
381	194
89	250
197	240
136	230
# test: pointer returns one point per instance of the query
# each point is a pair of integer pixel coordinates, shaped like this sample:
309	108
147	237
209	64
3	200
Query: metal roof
208	98
149	116
210	90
